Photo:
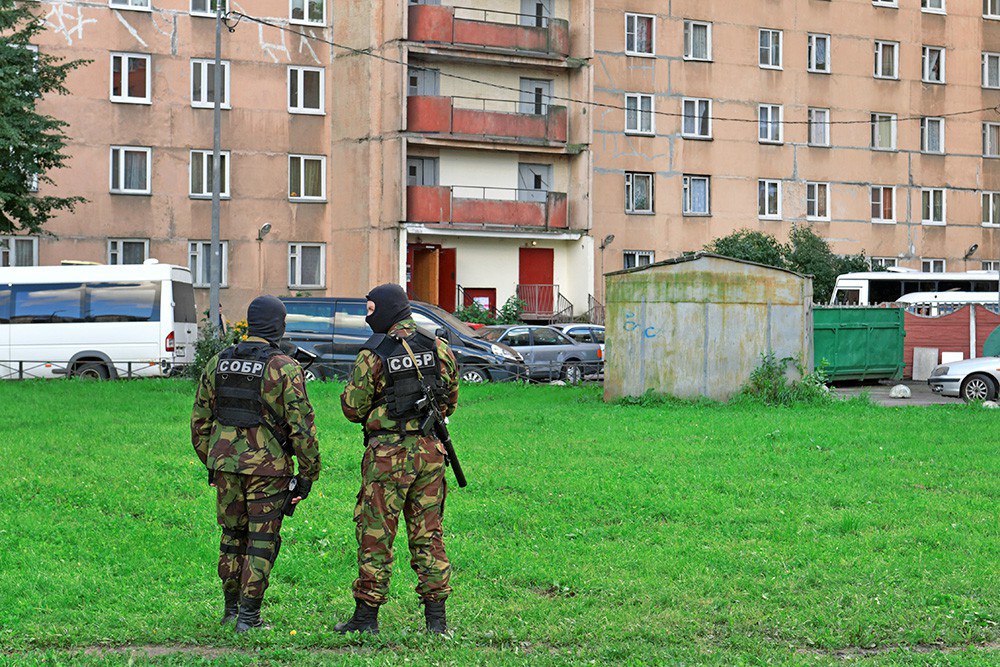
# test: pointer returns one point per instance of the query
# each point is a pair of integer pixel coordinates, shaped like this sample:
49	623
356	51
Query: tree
31	143
750	246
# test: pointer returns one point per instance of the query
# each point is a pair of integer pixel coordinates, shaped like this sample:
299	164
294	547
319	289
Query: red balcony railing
495	29
460	116
460	205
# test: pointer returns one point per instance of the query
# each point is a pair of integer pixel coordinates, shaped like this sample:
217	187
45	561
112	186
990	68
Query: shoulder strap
374	342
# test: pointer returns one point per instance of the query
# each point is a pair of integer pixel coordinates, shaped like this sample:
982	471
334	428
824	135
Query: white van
96	321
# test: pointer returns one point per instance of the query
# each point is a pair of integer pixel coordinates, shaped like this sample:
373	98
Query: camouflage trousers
401	477
249	510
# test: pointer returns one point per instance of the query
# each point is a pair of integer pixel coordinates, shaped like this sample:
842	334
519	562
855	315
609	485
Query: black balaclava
391	306
266	318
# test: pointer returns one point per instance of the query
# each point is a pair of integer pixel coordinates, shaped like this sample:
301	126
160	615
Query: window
201	174
991	9
199	255
990	265
932	6
306	317
819	127
932	265
312	12
307	177
130	167
991	139
128	251
638	192
18	251
932	206
769	53
933	60
697	40
886	60
932	135
123	302
48	303
769	199
203	83
884	131
991	208
991	69
306	264
769	123
640	34
142	5
883	203
639	114
306	90
819	54
632	259
697	195
817	201
130	78
697	123
207	7
882	263
885	3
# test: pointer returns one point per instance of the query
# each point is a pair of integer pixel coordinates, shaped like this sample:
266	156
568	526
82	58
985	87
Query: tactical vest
402	386
239	377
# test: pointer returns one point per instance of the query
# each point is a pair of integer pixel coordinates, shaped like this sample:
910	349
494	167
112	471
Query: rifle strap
413	358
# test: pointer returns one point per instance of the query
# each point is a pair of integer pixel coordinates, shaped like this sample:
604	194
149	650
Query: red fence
949	333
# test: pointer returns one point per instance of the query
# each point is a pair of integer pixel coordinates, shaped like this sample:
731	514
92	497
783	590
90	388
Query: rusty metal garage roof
699	255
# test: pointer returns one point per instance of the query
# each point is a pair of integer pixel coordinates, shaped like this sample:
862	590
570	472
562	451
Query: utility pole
215	253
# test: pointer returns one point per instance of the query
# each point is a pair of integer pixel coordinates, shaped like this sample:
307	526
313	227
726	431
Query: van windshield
450	320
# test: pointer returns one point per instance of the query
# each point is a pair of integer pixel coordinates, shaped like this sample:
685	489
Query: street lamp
608	240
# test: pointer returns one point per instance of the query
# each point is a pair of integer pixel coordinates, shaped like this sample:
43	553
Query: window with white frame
932	135
130	78
933	64
769	123
819	127
633	258
991	9
886	60
207	7
886	3
203	83
697	40
640	34
142	5
990	265
932	6
991	69
697	120
769	199
638	114
883	198
697	195
932	206
306	87
817	201
312	12
991	139
884	131
306	264
882	263
200	169
638	192
932	265
769	51
199	259
18	251
130	170
991	209
307	177
128	251
818	56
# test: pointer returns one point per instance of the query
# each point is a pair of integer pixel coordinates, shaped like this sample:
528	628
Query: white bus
873	288
96	321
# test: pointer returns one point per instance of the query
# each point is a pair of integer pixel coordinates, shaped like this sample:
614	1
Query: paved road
922	394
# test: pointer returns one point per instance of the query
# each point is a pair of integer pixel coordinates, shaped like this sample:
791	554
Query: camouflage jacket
254	450
367	386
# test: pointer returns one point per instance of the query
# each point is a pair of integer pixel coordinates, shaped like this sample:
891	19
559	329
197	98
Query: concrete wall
698	328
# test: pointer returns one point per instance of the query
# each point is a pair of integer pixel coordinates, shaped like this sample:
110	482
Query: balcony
496	207
478	117
488	29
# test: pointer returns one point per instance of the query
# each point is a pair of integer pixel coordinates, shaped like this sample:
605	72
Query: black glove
211	477
302	487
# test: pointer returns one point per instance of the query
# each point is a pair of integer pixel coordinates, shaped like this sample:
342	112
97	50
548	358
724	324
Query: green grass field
589	534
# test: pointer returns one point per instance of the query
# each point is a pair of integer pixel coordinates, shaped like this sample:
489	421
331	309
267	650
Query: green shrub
509	313
211	341
769	383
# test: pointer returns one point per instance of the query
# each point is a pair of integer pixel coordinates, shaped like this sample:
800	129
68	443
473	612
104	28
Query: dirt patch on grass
852	652
553	591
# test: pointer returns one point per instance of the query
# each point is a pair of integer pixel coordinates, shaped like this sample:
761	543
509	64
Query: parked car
548	353
582	332
970	380
335	329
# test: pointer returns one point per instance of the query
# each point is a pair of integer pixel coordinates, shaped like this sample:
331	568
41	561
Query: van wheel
475	376
91	370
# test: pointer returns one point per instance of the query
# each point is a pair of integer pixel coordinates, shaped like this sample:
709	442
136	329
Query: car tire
91	370
572	372
978	387
310	375
475	376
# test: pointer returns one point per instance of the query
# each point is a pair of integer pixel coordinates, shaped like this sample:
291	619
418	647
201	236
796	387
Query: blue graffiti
630	323
650	332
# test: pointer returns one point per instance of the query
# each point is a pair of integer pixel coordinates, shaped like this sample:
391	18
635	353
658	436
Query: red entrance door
535	277
447	285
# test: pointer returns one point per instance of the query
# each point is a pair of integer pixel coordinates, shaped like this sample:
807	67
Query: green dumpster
859	343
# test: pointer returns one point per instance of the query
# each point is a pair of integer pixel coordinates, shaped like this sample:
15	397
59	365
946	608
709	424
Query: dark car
335	329
549	354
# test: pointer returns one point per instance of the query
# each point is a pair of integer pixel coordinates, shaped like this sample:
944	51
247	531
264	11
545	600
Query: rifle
436	423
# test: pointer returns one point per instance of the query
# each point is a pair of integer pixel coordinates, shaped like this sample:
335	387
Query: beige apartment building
491	148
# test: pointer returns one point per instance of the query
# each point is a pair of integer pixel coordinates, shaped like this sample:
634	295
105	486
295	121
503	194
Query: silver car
548	353
970	380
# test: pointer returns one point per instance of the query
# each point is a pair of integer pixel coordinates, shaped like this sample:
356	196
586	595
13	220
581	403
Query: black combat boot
232	606
434	615
365	619
249	615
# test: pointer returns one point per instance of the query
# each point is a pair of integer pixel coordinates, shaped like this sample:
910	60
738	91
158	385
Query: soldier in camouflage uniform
251	415
402	470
